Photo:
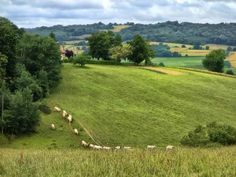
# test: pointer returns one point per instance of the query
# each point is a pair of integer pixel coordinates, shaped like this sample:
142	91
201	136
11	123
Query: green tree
81	59
53	36
140	50
3	64
9	36
22	115
101	42
120	52
38	53
43	82
25	80
214	61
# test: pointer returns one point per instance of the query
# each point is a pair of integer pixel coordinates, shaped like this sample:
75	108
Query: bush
214	61
212	134
81	59
161	64
230	72
45	109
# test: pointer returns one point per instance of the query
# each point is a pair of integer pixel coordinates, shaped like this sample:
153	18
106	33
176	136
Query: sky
34	13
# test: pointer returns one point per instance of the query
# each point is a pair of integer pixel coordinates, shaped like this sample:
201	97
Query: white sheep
91	145
64	114
84	143
127	148
76	131
57	109
69	118
106	148
97	147
169	147
117	147
53	126
151	147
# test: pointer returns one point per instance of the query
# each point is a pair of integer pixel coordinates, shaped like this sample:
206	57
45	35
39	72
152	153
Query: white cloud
51	12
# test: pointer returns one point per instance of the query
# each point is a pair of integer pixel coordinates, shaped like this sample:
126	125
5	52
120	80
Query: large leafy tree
214	61
101	42
40	53
120	52
9	37
140	50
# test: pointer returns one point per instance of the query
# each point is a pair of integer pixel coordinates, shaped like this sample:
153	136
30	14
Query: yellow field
73	48
190	52
232	59
118	28
176	47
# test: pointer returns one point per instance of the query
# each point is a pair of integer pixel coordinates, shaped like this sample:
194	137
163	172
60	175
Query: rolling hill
132	106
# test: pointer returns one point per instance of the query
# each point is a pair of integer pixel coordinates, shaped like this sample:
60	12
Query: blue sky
32	13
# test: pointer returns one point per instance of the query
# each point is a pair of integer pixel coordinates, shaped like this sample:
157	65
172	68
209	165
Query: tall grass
85	163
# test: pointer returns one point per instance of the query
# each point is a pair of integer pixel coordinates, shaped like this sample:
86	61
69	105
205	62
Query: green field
138	163
132	106
189	62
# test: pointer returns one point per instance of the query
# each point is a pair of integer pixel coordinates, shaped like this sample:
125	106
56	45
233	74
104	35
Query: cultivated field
138	163
132	106
232	59
118	28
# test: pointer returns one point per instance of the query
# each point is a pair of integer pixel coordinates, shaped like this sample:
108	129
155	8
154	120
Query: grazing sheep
69	118
127	148
57	109
106	148
76	131
117	147
84	144
91	145
64	114
53	127
169	147
151	147
97	147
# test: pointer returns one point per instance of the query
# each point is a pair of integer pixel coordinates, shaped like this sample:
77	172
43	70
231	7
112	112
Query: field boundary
207	72
163	70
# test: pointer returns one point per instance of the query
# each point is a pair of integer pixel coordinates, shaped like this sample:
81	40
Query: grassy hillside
184	162
132	106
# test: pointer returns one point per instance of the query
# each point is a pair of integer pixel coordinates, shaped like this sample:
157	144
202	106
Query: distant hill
188	33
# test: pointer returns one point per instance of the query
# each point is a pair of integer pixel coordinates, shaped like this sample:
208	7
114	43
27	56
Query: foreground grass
137	163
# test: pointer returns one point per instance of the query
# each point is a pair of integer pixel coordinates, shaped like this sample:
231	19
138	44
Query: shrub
214	61
211	135
81	59
161	64
45	109
230	72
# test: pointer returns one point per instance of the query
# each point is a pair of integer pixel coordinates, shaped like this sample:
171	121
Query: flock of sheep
69	118
66	116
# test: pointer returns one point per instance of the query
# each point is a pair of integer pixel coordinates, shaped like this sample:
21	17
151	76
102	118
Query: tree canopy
214	61
101	42
140	50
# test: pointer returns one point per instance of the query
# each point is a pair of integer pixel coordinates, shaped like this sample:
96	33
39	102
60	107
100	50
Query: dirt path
164	71
232	59
88	133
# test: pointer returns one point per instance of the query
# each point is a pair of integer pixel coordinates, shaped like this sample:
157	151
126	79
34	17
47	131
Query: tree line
29	70
187	33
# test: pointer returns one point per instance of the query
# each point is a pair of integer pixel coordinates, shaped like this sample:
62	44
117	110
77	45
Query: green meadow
131	106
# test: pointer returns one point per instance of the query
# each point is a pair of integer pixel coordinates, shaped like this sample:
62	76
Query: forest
187	33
